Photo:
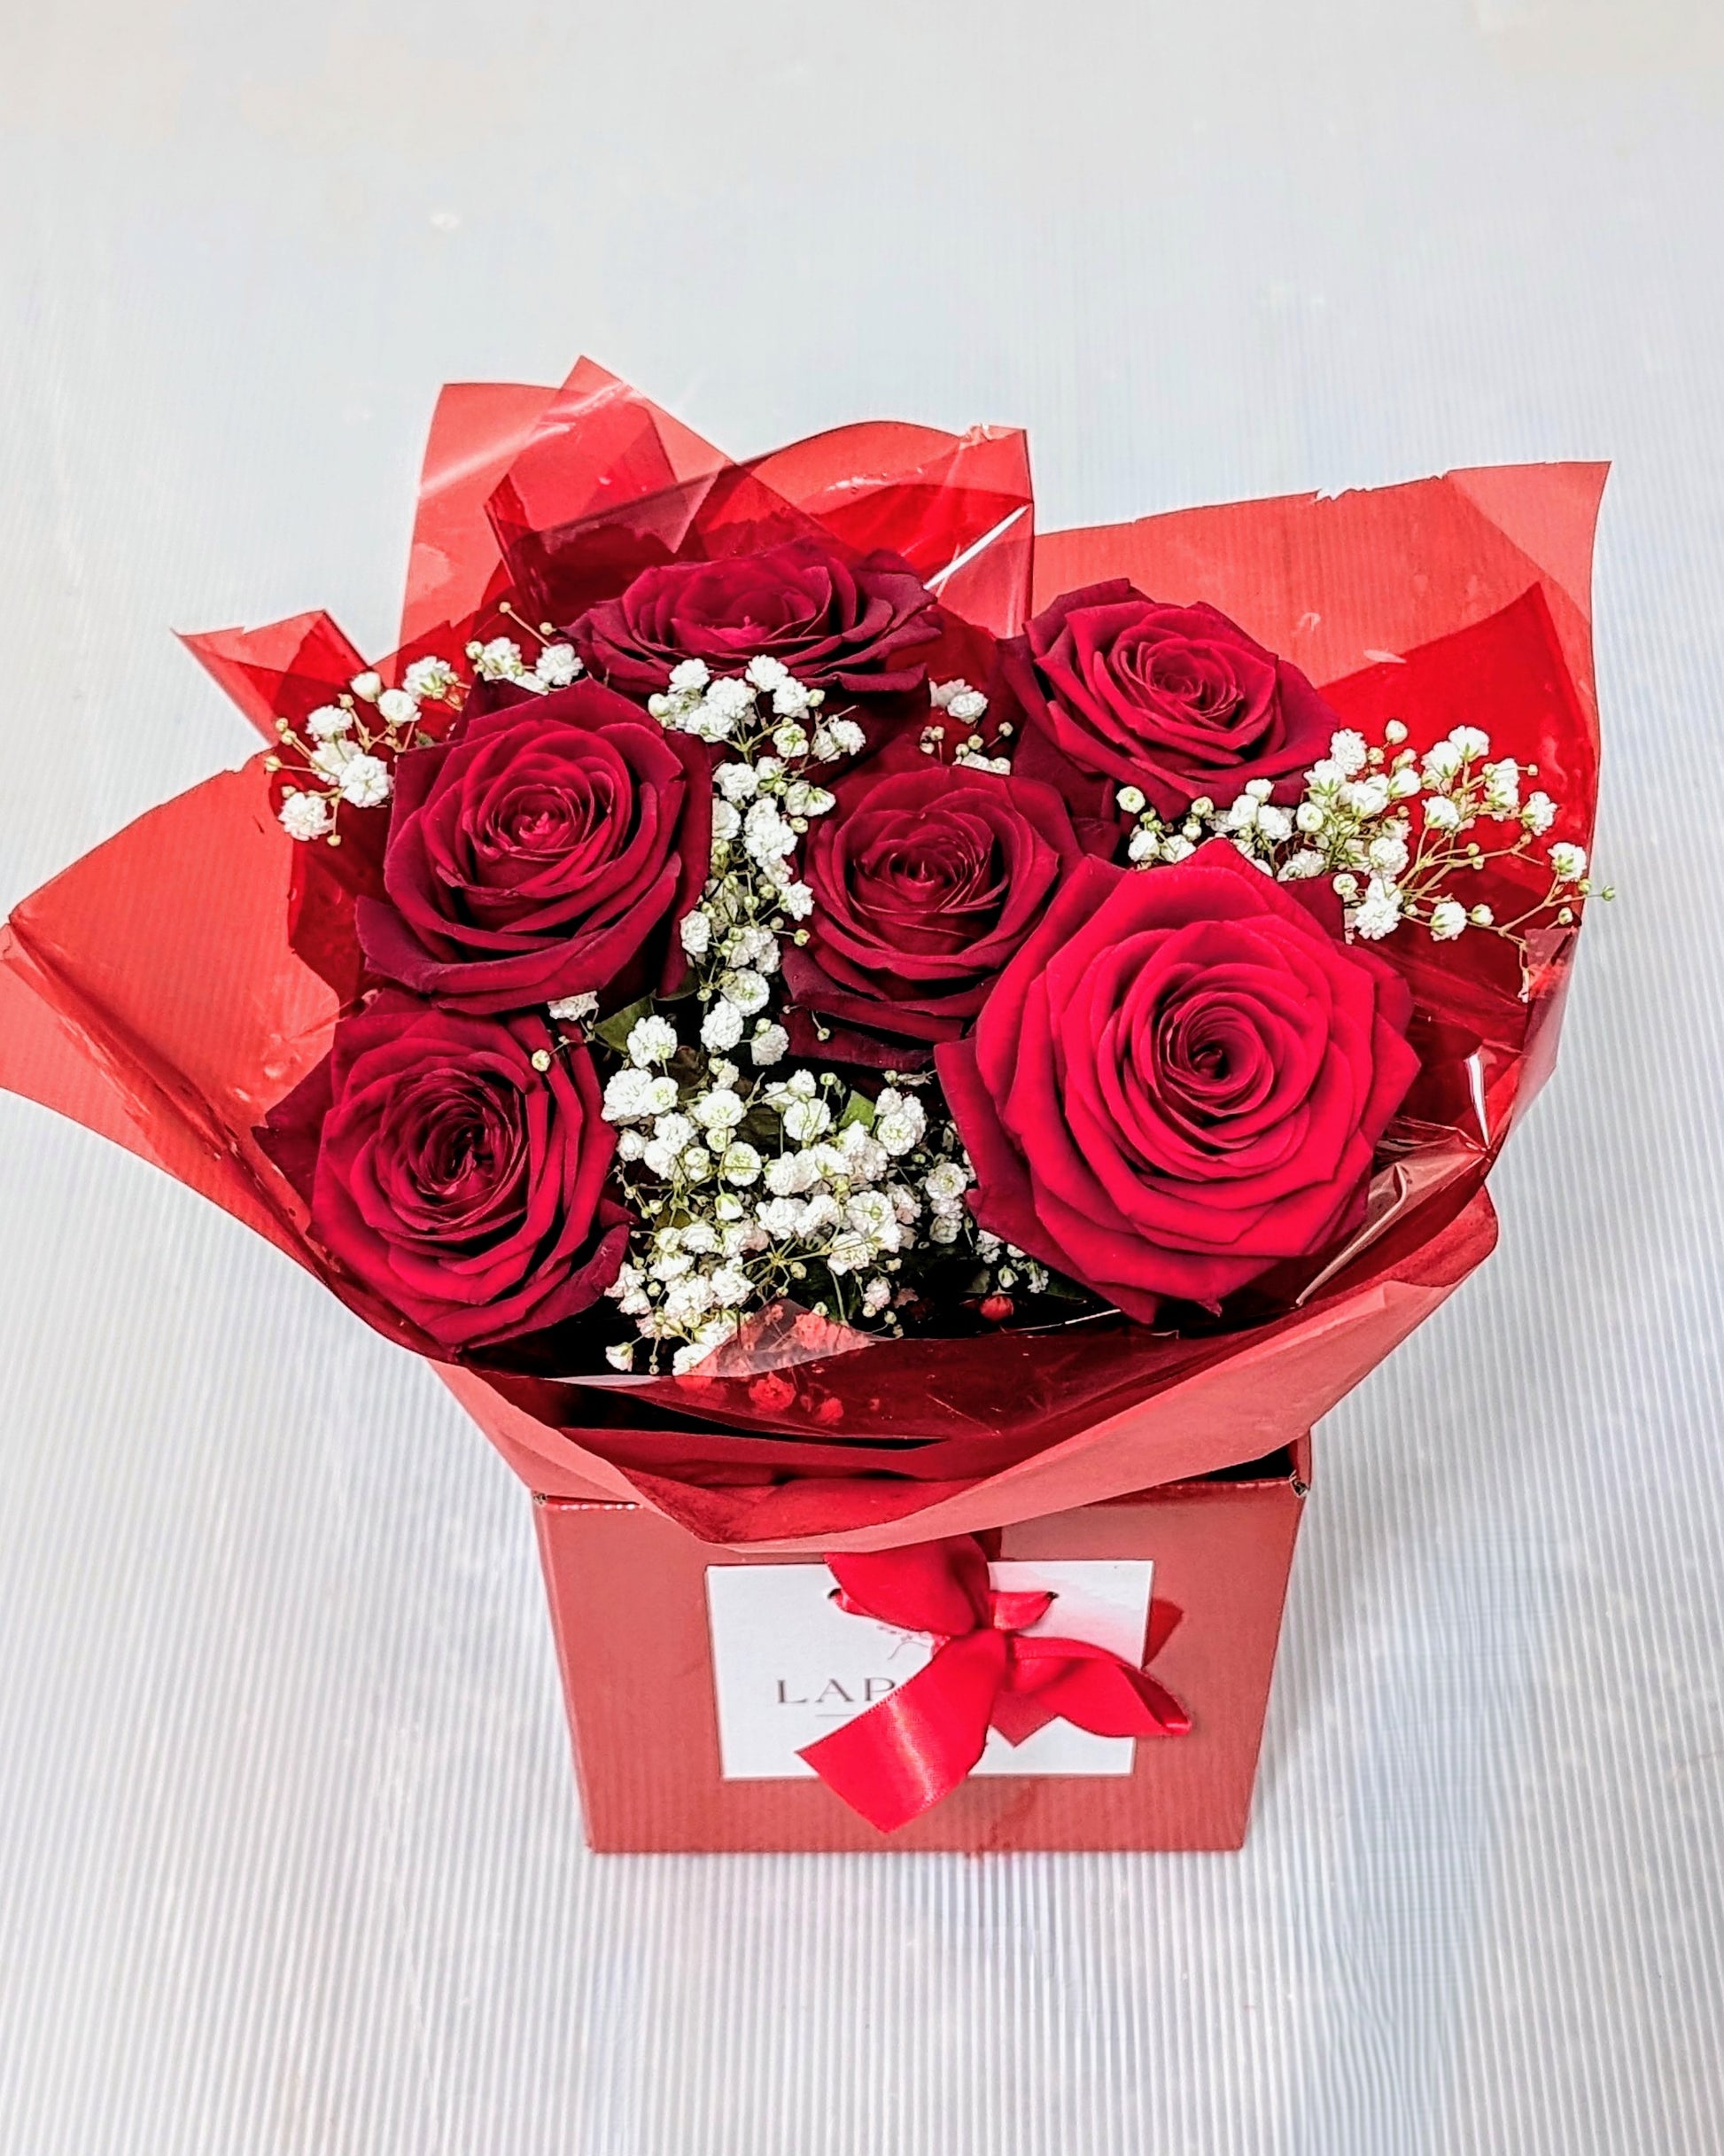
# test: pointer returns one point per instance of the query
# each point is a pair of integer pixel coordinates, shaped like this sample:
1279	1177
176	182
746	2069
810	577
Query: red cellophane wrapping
173	986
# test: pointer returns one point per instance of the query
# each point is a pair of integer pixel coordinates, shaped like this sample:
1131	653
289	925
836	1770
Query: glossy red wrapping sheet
175	984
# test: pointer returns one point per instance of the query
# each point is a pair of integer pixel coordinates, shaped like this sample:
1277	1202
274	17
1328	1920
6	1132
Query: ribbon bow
916	1745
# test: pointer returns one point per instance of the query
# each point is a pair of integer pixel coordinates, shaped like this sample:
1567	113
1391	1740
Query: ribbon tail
917	1744
1121	1702
1086	1685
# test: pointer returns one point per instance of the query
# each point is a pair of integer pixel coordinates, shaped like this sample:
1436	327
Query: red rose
543	851
464	1187
1175	700
926	879
1179	1081
835	623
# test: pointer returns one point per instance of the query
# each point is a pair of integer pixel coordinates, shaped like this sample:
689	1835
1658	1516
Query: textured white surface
290	1857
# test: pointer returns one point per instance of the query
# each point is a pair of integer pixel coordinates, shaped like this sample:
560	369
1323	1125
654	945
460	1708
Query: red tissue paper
894	1063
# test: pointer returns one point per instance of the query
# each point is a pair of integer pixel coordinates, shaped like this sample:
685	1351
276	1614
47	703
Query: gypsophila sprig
499	658
752	1181
964	706
765	794
1390	828
749	1189
346	751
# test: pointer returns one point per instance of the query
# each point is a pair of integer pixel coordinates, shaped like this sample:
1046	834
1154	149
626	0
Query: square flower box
688	1689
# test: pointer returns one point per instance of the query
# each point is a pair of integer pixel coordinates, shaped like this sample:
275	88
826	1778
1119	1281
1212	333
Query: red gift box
629	1602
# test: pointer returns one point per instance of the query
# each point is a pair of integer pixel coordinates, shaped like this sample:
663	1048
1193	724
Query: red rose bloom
546	849
1179	1082
926	879
1175	700
462	1185
835	623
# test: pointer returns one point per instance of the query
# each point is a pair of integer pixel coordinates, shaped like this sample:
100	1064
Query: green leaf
614	1031
857	1108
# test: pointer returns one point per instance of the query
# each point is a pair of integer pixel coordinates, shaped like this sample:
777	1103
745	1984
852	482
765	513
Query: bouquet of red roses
846	1024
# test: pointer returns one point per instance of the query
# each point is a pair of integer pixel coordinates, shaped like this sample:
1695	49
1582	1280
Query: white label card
789	1665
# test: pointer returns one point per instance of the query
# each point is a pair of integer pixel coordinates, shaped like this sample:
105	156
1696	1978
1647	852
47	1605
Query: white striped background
289	1852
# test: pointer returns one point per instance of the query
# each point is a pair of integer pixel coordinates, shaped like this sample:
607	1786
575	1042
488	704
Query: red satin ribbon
916	1745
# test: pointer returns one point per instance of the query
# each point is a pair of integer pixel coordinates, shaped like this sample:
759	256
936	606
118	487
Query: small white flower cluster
724	708
967	706
1008	1266
752	1181
346	751
1253	821
763	801
1354	823
500	659
831	1188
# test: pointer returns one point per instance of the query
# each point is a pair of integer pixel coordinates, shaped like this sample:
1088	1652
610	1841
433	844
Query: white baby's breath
430	680
1389	825
784	1180
498	661
744	987
331	756
652	1041
575	1010
365	781
558	666
305	815
346	751
396	707
722	1026
769	1045
1447	920
1347	750
900	1121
